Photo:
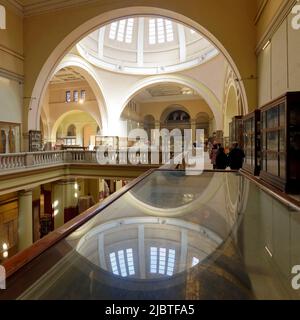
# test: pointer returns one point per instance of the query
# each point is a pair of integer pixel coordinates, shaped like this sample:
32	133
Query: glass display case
251	139
10	137
166	235
236	131
35	140
280	142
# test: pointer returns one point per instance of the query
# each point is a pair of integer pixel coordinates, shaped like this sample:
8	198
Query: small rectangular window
68	96
82	95
75	96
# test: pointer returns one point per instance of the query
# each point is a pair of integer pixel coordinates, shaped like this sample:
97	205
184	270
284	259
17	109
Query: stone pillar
157	124
25	233
193	127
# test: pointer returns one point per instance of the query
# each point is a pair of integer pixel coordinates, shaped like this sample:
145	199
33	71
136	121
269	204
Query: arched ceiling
146	45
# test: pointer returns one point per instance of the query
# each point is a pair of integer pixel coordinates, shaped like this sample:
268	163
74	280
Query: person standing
221	159
236	157
213	155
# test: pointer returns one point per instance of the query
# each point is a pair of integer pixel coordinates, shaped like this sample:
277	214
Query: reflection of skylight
171	262
122	30
113	263
122	263
192	31
153	260
160	31
130	262
161	262
195	261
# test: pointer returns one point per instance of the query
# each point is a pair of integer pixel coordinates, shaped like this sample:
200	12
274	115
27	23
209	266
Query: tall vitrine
251	140
280	142
236	131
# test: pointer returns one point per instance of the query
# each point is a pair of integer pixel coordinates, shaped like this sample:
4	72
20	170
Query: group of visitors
220	160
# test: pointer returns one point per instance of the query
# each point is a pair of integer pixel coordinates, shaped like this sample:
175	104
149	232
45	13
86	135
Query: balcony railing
26	160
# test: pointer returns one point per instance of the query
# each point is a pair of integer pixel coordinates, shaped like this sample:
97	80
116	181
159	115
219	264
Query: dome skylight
146	45
122	30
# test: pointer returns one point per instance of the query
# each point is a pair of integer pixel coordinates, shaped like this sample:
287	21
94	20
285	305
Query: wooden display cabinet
35	140
280	142
236	131
251	140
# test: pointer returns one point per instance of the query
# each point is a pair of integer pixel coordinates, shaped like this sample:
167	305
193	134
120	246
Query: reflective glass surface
174	236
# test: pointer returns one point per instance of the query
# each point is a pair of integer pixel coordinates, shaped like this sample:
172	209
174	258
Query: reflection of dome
146	45
147	247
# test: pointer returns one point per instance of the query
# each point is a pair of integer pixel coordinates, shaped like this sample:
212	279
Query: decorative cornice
14	5
54	5
282	12
41	7
260	11
11	52
11	75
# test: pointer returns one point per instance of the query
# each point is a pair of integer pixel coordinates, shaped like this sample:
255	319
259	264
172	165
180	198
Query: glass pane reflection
142	247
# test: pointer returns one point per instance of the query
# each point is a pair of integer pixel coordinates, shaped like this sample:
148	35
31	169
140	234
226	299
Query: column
157	124
25	219
193	127
7	142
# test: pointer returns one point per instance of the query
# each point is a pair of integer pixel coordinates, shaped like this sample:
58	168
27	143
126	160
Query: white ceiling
166	92
66	75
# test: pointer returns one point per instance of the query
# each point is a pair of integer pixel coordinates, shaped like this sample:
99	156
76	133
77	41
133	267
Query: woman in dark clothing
236	157
221	159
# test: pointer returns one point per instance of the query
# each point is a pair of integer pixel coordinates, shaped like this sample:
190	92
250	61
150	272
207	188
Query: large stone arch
46	53
84	68
197	86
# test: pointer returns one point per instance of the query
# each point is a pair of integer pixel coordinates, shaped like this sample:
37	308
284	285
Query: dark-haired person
236	157
221	159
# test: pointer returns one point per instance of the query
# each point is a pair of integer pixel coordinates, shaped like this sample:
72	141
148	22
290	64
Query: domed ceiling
146	45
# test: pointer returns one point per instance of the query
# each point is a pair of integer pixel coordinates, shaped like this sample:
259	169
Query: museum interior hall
149	150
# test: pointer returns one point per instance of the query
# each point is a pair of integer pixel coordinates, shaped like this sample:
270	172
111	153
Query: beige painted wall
11	67
268	13
11	42
279	64
11	109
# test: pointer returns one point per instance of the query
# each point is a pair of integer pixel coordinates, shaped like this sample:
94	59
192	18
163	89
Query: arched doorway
49	68
76	128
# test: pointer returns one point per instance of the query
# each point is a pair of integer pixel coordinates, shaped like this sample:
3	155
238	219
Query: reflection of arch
88	72
197	86
92	24
200	243
71	131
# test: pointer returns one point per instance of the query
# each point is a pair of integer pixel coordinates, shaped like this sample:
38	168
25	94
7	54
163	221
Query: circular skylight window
146	45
